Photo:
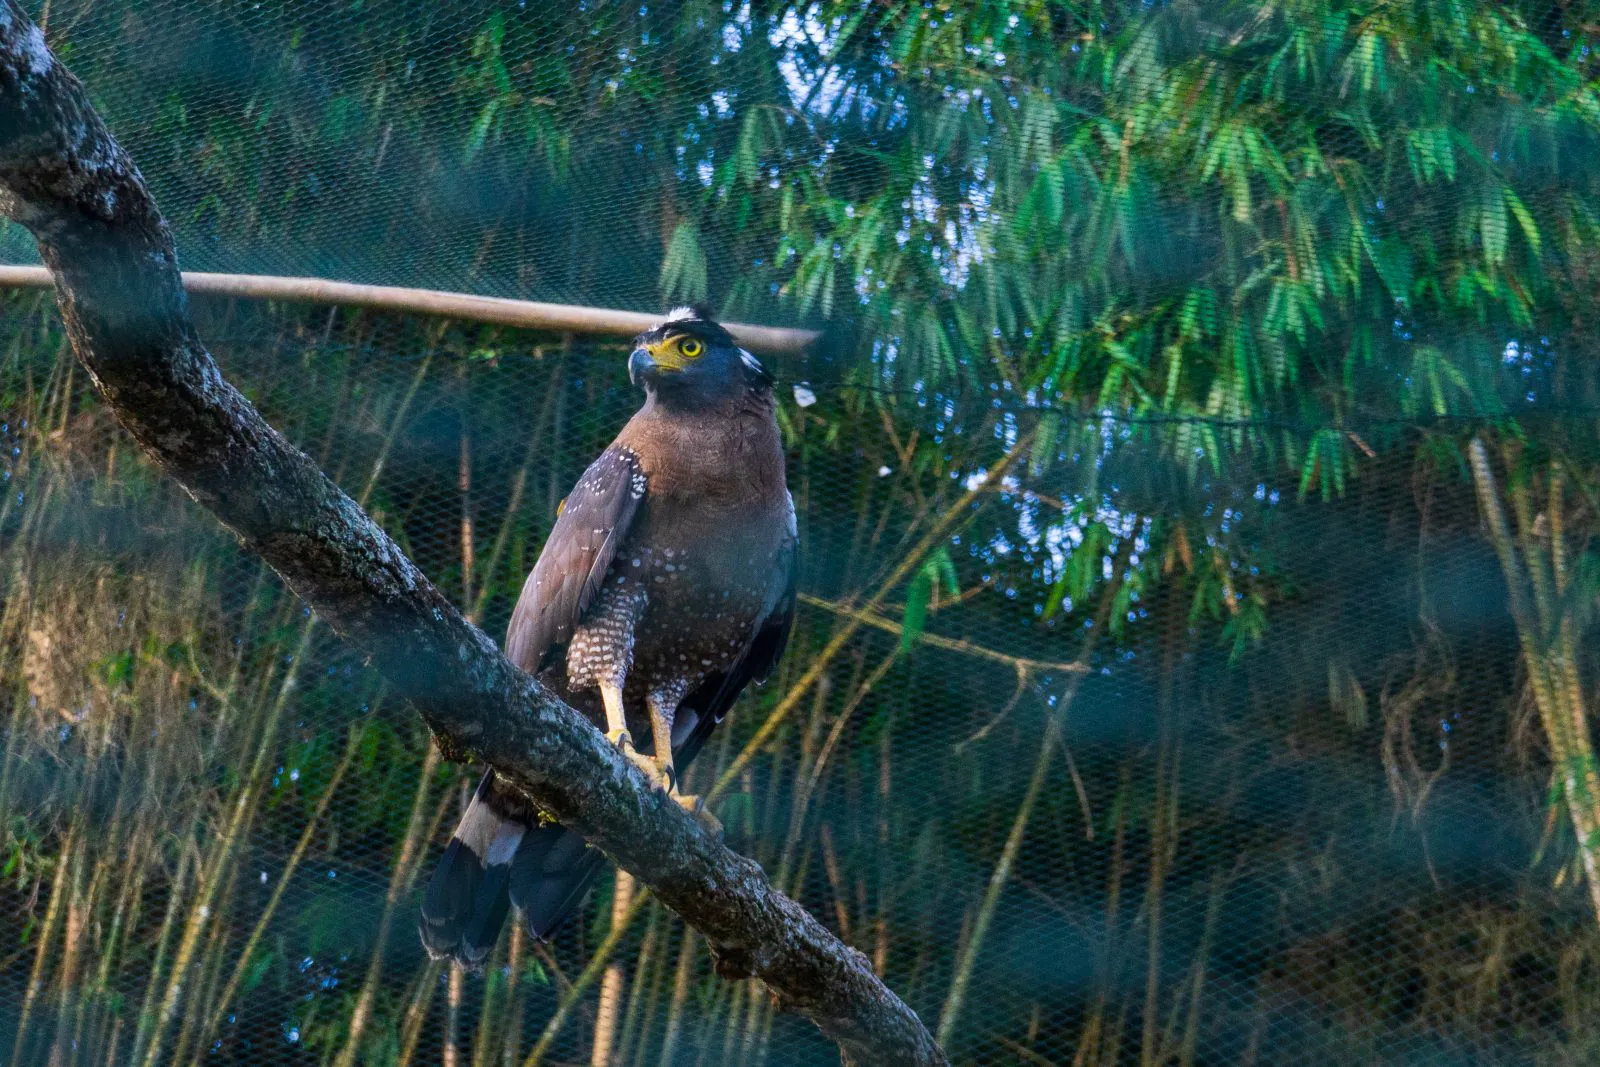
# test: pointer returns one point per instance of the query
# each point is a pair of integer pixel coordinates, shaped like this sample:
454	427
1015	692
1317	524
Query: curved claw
647	766
668	774
695	805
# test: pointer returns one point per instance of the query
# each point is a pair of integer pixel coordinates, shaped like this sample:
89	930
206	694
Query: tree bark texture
67	180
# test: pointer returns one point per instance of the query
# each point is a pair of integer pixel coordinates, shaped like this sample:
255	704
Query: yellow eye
691	348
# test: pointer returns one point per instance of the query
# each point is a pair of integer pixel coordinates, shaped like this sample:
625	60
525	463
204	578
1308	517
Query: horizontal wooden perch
526	314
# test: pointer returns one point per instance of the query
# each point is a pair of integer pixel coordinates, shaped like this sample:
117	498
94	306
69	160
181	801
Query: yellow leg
616	722
617	734
661	731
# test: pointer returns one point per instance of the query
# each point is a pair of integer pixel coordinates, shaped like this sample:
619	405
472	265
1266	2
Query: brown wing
593	521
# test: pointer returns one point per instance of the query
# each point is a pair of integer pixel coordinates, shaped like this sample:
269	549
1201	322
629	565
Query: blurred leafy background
1197	483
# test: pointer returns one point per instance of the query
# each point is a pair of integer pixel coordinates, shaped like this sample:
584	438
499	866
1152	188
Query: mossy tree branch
100	234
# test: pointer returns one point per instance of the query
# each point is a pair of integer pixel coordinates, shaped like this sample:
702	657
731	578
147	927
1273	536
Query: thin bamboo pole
913	559
416	1012
608	1013
593	971
646	992
946	644
241	816
452	1024
956	999
681	976
1549	651
483	1042
79	903
188	860
499	311
46	940
209	964
293	864
512	1047
967	957
418	831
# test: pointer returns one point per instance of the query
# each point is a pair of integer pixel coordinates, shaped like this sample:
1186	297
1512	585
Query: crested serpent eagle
665	587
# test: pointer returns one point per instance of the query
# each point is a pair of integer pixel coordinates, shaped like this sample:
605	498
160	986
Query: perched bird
665	587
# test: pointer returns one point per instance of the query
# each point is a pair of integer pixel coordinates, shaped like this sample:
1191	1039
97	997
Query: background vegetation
1242	718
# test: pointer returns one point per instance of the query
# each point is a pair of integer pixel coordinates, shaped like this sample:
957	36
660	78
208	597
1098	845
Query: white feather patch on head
752	362
681	314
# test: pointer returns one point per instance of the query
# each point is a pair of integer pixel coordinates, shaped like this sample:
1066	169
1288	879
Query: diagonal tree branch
117	282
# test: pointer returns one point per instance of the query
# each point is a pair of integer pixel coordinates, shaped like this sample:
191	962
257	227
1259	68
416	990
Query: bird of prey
665	587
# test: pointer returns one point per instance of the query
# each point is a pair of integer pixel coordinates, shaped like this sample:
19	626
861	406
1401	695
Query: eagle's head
689	356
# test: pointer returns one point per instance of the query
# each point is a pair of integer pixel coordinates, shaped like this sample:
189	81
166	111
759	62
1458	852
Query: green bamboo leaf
683	268
481	127
918	593
1493	228
1044	443
1391	258
1530	229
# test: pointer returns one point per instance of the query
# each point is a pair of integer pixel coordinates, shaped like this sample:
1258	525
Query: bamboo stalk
88	998
416	1013
211	879
880	925
52	909
351	748
1163	852
800	798
1549	651
209	963
956	999
609	1011
965	648
754	1011
1202	957
451	1056
187	861
908	563
537	442
498	311
79	901
394	429
400	879
681	975
596	966
651	991
469	550
643	975
730	1029
512	1046
483	1040
968	955
721	995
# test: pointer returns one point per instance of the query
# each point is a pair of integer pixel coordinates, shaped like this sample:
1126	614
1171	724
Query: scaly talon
647	766
695	805
666	772
620	738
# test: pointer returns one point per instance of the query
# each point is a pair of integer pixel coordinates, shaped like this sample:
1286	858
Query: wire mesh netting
1195	483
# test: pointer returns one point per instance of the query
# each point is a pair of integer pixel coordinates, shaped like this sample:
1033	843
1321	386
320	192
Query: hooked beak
649	364
640	365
